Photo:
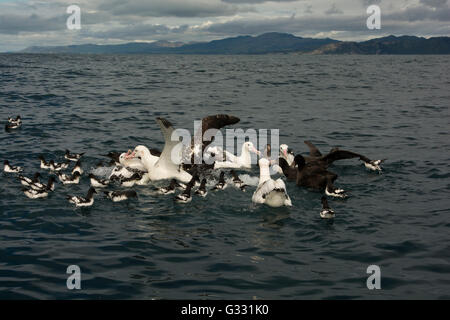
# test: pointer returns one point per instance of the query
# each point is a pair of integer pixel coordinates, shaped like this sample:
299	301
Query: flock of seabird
143	166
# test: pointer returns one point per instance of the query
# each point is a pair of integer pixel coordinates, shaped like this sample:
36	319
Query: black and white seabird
131	181
13	123
221	184
120	173
117	196
83	202
17	120
201	191
35	194
169	189
97	182
374	165
12	126
50	186
44	164
73	157
238	183
54	166
77	167
326	212
332	191
185	197
66	179
25	181
11	169
180	185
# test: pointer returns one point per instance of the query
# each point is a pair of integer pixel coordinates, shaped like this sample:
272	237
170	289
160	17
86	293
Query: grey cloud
350	25
434	3
140	31
419	14
367	3
15	24
334	10
308	9
256	1
290	25
169	8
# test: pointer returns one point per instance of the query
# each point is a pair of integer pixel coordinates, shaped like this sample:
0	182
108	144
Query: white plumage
270	192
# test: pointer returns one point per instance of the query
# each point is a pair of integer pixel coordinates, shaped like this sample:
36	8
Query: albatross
270	192
236	162
335	154
168	165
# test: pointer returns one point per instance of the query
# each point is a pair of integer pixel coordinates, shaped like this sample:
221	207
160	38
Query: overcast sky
26	23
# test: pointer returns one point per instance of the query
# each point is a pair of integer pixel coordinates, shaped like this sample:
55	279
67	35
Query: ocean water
223	247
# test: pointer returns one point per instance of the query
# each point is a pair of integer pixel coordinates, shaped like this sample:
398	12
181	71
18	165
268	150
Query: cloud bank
26	23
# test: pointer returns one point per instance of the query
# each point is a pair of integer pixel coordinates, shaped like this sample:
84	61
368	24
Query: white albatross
236	162
270	192
134	163
164	167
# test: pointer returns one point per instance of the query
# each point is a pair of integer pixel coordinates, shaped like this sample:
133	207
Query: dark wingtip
164	122
230	119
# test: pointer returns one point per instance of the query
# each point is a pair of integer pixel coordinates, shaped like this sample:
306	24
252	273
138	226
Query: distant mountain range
389	45
266	43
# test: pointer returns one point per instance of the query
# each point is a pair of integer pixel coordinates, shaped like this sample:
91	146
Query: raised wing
215	122
340	155
313	151
172	152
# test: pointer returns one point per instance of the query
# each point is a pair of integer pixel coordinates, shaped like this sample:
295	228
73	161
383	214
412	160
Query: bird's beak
253	149
285	153
130	155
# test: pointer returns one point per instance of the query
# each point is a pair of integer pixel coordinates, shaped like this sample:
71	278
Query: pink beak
285	153
253	149
129	155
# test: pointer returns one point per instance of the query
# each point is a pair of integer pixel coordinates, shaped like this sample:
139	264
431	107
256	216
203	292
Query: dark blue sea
223	247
